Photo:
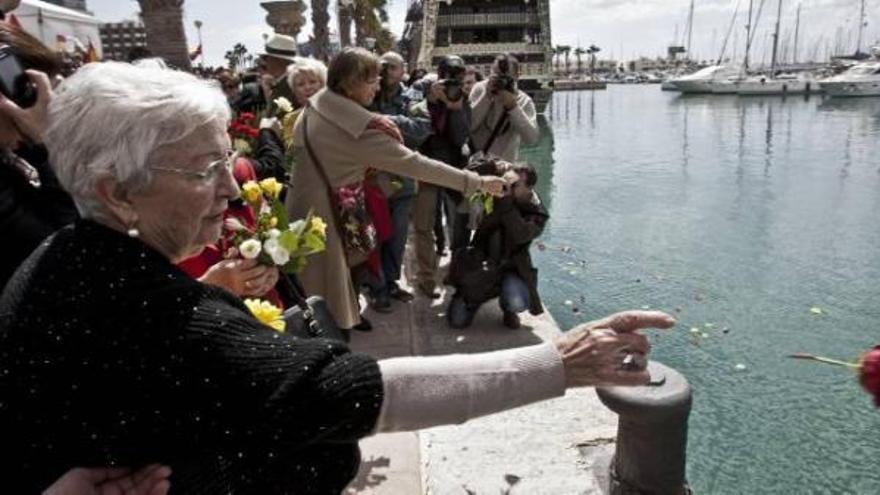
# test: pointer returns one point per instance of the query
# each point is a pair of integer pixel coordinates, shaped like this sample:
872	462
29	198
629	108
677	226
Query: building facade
480	30
119	38
71	4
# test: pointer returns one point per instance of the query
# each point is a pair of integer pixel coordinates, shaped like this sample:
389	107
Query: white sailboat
774	84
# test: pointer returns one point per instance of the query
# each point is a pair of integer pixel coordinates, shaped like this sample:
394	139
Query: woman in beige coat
348	139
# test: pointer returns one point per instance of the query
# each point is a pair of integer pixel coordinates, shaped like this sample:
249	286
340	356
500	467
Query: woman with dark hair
32	204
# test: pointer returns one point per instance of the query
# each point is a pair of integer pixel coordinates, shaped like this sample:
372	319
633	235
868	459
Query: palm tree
344	15
557	52
369	15
593	50
566	50
237	57
320	30
578	52
163	21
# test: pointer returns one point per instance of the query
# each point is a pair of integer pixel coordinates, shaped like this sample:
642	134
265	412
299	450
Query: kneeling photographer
497	263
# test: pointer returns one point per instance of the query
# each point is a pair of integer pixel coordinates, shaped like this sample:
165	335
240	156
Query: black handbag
309	318
476	277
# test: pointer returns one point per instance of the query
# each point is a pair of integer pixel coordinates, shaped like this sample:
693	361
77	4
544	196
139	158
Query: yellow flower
319	226
267	313
273	222
251	192
271	187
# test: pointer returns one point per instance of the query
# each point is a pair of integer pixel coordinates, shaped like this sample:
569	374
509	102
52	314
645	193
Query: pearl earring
133	232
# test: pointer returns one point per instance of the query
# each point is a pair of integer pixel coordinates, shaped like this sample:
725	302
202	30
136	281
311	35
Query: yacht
785	84
859	80
703	80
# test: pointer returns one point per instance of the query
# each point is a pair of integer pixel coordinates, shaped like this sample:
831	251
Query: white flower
276	251
234	224
284	105
280	256
297	226
274	233
250	249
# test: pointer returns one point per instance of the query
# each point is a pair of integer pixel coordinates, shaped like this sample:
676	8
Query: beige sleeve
423	392
383	153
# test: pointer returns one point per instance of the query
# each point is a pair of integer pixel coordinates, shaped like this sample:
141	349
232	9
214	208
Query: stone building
119	38
479	30
163	21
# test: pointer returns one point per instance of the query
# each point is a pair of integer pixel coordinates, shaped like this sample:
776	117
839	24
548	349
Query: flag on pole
91	53
196	53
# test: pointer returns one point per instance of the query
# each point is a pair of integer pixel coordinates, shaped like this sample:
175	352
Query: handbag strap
495	132
321	171
298	294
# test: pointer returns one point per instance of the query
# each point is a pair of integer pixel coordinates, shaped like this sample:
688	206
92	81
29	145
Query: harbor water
756	222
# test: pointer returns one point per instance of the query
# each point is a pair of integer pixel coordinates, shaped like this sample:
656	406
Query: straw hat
280	46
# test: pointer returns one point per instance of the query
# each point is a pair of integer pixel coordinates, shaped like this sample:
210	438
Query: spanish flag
196	53
91	54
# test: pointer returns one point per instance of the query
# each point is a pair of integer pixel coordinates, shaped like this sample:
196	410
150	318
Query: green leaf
289	241
489	204
280	212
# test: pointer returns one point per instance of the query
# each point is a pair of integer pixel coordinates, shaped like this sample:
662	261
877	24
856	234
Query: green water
743	214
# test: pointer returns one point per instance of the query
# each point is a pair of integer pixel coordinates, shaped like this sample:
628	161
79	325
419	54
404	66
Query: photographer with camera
498	263
503	116
450	114
394	101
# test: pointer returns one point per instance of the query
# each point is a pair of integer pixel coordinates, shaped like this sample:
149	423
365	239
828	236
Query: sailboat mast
861	28
776	40
797	32
748	36
690	29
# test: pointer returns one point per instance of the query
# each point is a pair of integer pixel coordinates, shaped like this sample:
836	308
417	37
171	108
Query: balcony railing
471	20
487	48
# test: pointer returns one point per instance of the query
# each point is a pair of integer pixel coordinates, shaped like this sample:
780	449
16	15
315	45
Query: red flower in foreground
869	374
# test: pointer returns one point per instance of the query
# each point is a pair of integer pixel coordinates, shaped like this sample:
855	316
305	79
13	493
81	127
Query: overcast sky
622	28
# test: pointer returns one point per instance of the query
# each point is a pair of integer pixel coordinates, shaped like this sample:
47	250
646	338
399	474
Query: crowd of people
125	345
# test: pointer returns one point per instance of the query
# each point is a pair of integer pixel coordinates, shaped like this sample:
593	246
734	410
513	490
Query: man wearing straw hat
279	52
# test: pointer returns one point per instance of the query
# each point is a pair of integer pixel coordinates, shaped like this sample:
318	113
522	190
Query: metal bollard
651	434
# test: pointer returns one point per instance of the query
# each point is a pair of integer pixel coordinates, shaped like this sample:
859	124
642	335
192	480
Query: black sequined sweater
112	356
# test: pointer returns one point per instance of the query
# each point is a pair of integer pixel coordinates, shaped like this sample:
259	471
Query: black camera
503	80
451	73
14	83
453	89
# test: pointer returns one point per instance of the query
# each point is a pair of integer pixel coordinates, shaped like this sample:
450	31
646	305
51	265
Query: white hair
109	118
306	66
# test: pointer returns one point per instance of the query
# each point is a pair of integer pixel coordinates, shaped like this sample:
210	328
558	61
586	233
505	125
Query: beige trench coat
340	138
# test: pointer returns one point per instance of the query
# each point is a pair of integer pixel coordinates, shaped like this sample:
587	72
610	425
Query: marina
738	215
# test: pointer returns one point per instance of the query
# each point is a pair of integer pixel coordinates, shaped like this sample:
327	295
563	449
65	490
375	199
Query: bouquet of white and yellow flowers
273	240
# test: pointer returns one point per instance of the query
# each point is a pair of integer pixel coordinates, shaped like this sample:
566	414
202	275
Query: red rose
869	375
247	117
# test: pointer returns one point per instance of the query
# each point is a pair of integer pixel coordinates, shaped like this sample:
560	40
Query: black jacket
28	214
269	159
113	356
504	237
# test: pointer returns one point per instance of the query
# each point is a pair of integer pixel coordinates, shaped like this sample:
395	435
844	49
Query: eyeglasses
211	173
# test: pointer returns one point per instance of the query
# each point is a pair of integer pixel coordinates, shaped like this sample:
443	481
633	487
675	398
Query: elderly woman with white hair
112	356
